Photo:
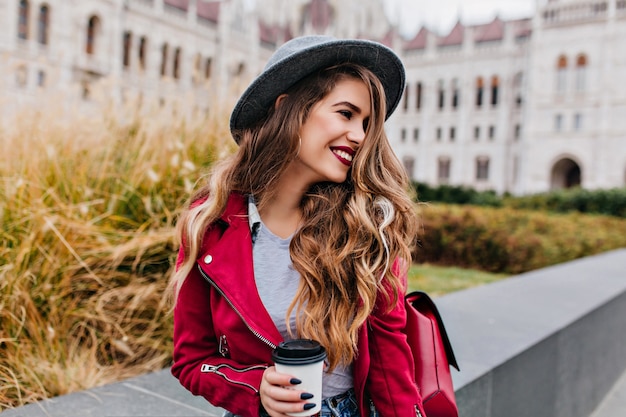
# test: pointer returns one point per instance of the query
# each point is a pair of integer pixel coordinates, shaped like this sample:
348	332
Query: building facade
518	106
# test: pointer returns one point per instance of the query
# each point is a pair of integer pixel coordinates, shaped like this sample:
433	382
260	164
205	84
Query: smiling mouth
344	157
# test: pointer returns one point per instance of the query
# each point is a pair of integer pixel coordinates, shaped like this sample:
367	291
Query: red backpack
433	355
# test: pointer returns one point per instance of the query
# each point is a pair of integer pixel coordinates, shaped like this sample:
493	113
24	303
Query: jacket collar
227	262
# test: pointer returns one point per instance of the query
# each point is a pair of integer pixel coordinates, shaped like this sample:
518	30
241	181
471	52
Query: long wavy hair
351	233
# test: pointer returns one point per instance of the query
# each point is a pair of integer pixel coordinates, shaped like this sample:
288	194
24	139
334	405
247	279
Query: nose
356	134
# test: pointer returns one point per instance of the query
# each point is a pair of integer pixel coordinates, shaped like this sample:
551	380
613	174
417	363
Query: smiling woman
305	232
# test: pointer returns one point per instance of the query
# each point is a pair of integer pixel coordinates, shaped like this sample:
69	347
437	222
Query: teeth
345	155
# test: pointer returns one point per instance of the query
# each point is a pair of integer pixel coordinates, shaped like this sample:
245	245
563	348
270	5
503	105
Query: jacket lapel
227	262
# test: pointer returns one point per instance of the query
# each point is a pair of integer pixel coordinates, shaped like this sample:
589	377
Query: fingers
280	394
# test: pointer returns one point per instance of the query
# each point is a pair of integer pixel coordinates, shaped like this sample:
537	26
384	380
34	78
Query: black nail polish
308	406
306	396
295	381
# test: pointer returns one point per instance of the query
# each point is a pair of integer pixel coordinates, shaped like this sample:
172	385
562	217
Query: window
176	69
241	68
143	46
561	74
438	134
479	92
93	27
416	135
21	76
492	132
581	70
43	23
164	54
441	94
207	68
517	133
403	135
517	85
197	71
127	44
482	168
494	90
476	132
409	165
418	93
452	134
578	121
455	93
22	22
405	103
443	169
41	78
558	122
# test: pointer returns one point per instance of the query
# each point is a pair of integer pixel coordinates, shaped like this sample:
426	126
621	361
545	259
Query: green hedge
512	241
611	202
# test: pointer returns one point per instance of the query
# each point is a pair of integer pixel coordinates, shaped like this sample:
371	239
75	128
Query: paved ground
160	395
614	405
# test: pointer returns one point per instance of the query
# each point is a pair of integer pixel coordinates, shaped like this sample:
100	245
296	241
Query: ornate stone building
519	106
514	106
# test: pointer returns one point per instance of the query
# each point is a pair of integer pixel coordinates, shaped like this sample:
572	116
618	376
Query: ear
279	100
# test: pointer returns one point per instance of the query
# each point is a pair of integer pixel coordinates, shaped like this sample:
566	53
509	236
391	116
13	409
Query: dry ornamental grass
87	212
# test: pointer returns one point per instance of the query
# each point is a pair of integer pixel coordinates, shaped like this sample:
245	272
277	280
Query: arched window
43	25
176	69
164	53
561	74
581	72
93	28
128	40
495	83
143	45
479	91
22	22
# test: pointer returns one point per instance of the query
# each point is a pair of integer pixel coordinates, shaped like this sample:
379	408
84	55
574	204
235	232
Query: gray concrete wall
551	342
547	343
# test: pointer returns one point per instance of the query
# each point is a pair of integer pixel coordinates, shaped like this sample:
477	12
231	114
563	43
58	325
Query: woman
304	233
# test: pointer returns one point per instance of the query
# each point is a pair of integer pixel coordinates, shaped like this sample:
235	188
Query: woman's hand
279	394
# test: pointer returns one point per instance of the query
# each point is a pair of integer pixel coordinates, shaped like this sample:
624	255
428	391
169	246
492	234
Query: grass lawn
439	280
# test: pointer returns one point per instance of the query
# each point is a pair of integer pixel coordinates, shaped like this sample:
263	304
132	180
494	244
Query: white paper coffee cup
303	359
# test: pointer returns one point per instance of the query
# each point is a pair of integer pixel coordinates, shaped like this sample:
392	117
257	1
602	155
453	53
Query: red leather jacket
224	337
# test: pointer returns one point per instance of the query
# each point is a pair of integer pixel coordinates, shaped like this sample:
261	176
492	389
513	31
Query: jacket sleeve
391	383
197	363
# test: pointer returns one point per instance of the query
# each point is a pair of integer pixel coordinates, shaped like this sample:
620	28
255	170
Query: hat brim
275	80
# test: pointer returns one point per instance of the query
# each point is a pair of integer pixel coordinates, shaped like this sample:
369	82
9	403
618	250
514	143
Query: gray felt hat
304	55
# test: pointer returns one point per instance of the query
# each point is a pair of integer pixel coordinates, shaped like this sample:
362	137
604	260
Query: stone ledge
551	342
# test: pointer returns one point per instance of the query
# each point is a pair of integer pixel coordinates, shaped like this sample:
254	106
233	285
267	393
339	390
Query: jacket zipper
254	332
214	369
417	411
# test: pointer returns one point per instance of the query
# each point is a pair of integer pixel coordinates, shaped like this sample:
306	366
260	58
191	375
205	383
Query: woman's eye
346	113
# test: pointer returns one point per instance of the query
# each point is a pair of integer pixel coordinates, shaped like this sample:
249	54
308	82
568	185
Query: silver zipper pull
223	346
205	368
